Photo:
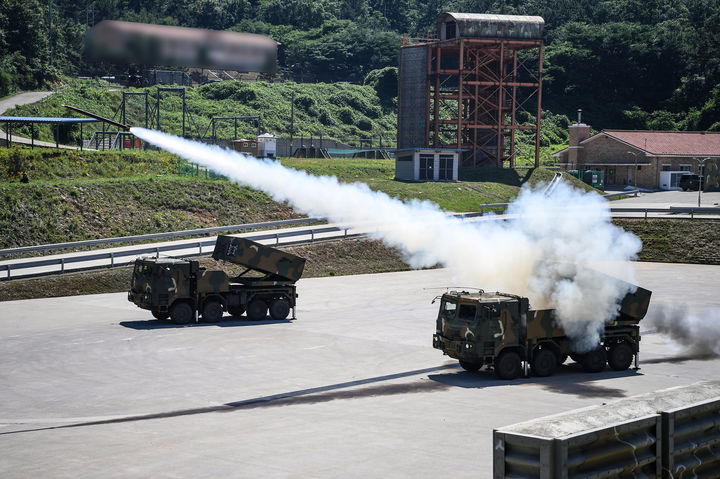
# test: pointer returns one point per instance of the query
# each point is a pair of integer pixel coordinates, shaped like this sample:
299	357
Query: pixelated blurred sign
161	45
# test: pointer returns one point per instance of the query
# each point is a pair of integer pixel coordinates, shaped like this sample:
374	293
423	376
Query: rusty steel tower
472	87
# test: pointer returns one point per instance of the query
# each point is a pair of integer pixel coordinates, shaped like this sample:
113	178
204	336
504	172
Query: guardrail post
346	232
8	270
112	259
692	213
157	253
312	235
646	214
62	265
200	248
277	239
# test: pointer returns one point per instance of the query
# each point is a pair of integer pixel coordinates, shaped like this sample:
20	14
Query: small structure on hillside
426	164
267	145
248	147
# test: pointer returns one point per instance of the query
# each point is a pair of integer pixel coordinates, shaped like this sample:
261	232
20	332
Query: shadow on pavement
225	323
304	396
568	379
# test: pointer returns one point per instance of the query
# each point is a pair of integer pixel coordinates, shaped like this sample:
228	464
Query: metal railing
121	257
116	257
156	236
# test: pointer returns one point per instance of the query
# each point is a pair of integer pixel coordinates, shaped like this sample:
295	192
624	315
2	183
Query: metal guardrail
622	193
115	257
154	236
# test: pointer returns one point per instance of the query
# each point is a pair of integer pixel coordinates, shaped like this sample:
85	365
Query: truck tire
257	310
470	366
181	313
508	365
212	311
620	356
161	315
543	363
279	309
236	311
594	361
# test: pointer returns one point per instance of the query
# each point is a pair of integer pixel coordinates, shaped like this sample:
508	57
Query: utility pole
50	35
292	121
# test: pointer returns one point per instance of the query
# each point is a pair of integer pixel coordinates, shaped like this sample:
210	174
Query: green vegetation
627	63
83	195
334	110
676	241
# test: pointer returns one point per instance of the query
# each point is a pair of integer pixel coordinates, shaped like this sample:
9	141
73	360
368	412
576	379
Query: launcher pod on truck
500	330
180	289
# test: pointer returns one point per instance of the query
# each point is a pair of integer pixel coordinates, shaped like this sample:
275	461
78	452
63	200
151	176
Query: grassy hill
335	110
76	195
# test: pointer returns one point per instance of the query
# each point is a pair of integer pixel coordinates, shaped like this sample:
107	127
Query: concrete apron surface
92	386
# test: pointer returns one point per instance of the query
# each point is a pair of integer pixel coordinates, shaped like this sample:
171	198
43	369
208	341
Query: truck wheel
279	309
162	316
594	361
212	311
181	313
620	356
257	310
236	311
543	363
470	366
508	365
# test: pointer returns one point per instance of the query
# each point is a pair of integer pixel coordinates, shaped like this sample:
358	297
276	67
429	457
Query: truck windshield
448	309
143	270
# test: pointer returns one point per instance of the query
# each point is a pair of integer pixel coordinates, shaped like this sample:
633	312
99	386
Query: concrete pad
92	386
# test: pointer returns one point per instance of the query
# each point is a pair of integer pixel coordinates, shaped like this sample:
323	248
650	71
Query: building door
446	167
611	176
426	167
630	180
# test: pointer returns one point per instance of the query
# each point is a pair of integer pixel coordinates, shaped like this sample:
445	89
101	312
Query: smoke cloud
534	255
697	331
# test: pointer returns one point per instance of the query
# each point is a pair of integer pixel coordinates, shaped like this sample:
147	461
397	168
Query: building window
450	30
405	158
446	167
684	168
245	144
426	167
666	168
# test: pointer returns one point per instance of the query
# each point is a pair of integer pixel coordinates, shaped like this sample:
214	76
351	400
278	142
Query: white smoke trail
520	257
697	331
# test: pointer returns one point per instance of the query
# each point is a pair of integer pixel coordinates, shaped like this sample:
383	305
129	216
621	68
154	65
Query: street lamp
701	167
636	167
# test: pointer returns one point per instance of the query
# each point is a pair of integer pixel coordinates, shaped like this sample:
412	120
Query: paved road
666	199
352	388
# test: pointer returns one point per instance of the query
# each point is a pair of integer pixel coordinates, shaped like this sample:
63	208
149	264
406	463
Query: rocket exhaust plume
534	255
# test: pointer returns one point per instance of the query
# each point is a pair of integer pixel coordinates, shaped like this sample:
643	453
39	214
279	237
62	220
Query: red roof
690	143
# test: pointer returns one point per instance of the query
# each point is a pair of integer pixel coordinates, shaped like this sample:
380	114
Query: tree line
627	63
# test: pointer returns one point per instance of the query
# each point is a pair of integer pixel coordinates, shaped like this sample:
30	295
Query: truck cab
157	283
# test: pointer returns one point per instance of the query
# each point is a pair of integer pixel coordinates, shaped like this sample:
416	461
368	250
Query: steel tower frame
475	89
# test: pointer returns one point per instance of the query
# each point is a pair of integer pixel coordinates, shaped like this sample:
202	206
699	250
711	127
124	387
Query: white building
426	164
267	146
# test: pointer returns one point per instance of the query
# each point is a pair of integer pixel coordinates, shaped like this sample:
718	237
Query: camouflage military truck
179	289
500	330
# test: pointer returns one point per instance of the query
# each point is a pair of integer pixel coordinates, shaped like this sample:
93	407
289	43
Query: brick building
648	159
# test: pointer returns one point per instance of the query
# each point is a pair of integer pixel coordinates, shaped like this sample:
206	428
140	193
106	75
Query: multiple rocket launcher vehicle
494	329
